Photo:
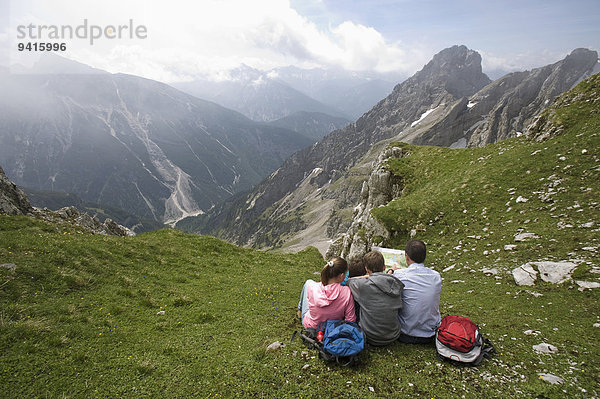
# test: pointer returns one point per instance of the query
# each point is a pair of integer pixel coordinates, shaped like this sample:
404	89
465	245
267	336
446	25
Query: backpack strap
294	336
348	362
309	338
486	350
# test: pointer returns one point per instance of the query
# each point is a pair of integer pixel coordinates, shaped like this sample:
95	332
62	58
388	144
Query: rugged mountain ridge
132	143
448	103
505	107
453	73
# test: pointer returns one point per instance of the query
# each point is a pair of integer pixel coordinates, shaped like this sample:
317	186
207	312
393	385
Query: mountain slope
314	125
437	106
453	73
526	183
132	143
507	106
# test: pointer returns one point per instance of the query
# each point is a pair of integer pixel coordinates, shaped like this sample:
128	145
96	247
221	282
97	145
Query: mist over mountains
270	95
132	143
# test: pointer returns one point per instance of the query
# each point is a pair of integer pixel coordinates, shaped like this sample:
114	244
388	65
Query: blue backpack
342	341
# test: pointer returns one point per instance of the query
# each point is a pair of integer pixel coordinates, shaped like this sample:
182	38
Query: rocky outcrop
14	202
70	215
550	272
12	199
380	189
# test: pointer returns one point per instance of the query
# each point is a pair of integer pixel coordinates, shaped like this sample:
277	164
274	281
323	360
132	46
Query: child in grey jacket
380	300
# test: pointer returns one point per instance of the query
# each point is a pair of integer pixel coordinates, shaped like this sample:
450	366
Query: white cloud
519	61
203	38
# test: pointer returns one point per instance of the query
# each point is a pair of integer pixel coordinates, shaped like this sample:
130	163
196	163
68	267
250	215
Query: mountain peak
581	56
459	67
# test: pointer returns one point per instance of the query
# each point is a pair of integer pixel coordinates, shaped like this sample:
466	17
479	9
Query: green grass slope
79	314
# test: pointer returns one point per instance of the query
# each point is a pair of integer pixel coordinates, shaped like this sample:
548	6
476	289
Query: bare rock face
12	199
508	106
521	96
380	189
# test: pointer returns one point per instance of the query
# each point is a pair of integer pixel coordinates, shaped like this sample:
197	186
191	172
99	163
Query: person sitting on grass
421	296
379	296
356	268
327	300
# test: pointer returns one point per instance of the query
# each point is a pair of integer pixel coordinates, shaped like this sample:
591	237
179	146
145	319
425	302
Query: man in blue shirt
420	314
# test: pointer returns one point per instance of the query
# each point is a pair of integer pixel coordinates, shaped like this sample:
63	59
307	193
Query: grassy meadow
172	315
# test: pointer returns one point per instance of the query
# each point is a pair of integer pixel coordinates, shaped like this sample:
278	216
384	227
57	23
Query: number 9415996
41	46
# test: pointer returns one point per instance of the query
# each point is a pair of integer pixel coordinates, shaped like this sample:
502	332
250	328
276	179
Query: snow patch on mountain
423	116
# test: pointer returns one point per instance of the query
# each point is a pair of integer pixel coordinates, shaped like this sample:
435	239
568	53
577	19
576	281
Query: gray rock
550	272
9	266
379	190
525	275
551	379
525	236
71	215
583	285
335	248
493	271
555	272
12	199
545	348
275	345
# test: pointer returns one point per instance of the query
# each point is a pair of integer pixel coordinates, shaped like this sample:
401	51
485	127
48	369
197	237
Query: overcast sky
187	39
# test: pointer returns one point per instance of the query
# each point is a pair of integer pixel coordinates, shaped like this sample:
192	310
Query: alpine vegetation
168	314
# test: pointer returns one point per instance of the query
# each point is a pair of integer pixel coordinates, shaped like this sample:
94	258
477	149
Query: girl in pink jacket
327	300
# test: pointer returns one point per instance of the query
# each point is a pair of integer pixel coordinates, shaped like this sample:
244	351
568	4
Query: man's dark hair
374	261
416	250
356	267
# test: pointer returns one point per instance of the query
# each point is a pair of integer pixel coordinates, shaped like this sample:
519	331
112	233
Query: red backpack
458	338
